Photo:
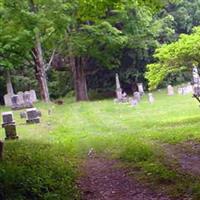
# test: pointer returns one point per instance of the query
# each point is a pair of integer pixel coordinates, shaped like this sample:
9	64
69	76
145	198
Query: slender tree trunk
80	84
40	70
9	83
39	62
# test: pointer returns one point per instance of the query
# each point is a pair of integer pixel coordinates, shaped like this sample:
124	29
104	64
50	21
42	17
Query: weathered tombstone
7	118
140	88
1	150
33	116
11	132
23	115
136	95
27	100
151	98
9	125
20	98
170	90
33	95
7	100
180	90
14	100
133	102
118	89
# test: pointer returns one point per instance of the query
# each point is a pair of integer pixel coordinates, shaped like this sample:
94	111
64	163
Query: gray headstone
7	100
10	131
33	116
170	90
7	118
23	115
118	89
137	96
133	102
27	99
20	98
33	95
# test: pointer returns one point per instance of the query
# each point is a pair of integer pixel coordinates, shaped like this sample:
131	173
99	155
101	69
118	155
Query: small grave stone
133	102
118	89
33	116
33	95
22	115
170	90
180	90
20	98
7	100
11	132
14	100
136	95
27	100
7	118
140	88
9	125
151	98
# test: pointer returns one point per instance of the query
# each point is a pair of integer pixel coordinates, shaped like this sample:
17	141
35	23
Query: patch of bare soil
187	156
105	180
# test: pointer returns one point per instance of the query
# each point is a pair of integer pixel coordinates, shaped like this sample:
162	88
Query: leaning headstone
118	89
20	98
140	88
151	98
136	95
170	90
27	100
7	100
33	95
33	116
9	125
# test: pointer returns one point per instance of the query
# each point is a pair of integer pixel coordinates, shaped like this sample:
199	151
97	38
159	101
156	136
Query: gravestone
170	90
9	125
14	100
33	96
196	81
20	98
180	90
140	88
7	100
11	133
136	95
22	115
151	98
27	100
32	116
133	102
7	118
118	89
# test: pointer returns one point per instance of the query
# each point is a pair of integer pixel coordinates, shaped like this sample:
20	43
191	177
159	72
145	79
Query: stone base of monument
33	121
10	130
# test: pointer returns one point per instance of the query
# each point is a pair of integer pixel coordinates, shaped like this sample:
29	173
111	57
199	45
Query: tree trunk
80	84
9	83
40	70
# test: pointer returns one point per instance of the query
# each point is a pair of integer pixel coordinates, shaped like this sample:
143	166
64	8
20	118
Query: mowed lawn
44	162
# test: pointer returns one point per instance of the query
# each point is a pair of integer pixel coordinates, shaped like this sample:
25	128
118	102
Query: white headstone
118	89
7	100
33	95
20	98
151	98
170	90
136	96
140	88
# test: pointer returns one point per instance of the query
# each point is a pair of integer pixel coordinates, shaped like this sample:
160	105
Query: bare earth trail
105	180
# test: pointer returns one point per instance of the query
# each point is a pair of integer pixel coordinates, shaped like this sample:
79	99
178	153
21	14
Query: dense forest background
95	44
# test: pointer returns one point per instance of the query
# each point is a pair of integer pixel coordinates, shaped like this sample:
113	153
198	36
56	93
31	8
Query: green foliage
176	56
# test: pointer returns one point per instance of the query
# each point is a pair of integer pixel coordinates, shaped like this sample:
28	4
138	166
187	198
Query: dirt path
187	155
105	180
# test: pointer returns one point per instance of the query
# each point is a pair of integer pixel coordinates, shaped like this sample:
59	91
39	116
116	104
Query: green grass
43	163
